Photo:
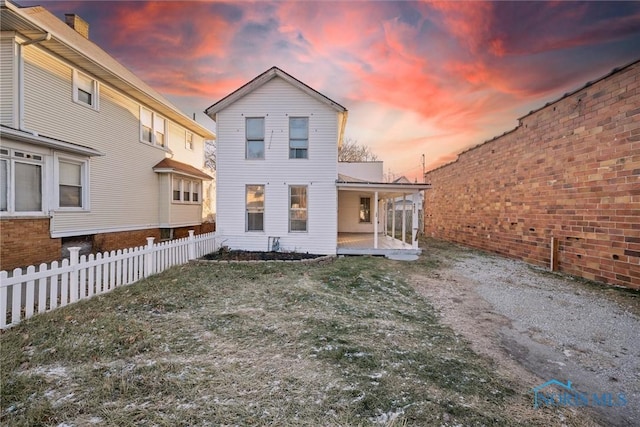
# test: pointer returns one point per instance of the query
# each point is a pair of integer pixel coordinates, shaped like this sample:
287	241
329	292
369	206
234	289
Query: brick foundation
123	239
570	170
205	227
26	242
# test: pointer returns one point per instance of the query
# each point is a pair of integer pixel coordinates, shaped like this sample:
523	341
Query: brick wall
26	242
123	239
570	170
205	227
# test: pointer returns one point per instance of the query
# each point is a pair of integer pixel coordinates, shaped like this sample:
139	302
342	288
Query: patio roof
385	189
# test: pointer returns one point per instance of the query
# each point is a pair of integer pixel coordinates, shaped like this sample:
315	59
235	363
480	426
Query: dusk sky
430	78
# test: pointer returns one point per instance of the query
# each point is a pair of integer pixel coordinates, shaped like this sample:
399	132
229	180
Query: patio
363	244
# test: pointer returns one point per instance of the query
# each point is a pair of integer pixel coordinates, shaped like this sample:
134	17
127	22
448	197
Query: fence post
191	248
148	258
74	255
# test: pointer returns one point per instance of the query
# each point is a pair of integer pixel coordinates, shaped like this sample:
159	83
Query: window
21	182
85	90
255	207
185	190
159	125
188	141
365	209
70	185
195	191
255	137
177	189
4	185
71	178
298	208
153	128
298	137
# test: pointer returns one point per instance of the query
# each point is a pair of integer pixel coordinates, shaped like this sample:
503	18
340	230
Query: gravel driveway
539	326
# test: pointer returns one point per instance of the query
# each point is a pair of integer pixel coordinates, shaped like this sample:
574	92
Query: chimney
80	25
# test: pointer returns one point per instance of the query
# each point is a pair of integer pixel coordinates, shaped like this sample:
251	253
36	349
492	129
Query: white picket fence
47	287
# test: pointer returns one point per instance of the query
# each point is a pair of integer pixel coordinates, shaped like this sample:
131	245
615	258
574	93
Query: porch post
404	217
393	218
375	224
414	220
386	216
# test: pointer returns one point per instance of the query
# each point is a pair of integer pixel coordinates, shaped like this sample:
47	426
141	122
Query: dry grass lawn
340	343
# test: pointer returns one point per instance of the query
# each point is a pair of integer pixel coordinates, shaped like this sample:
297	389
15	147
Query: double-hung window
195	191
365	209
188	140
21	186
185	190
71	183
298	137
153	128
255	207
159	128
255	137
298	208
85	90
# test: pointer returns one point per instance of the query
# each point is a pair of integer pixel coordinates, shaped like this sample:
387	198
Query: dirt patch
235	255
539	326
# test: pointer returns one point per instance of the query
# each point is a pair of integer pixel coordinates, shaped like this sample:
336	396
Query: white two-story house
279	184
90	155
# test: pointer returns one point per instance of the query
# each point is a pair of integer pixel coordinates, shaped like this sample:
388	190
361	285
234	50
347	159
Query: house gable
274	99
266	77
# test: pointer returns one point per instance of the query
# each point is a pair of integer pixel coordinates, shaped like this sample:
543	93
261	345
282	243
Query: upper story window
85	90
185	190
255	137
188	140
298	137
21	184
153	128
72	183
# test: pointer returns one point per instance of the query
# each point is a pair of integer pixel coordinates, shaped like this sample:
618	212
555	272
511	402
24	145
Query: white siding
349	212
193	157
367	171
8	82
124	188
277	101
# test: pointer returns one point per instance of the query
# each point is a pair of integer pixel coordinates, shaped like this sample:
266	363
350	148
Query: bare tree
351	151
210	154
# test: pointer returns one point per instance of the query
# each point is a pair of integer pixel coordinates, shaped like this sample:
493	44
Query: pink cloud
463	71
155	25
